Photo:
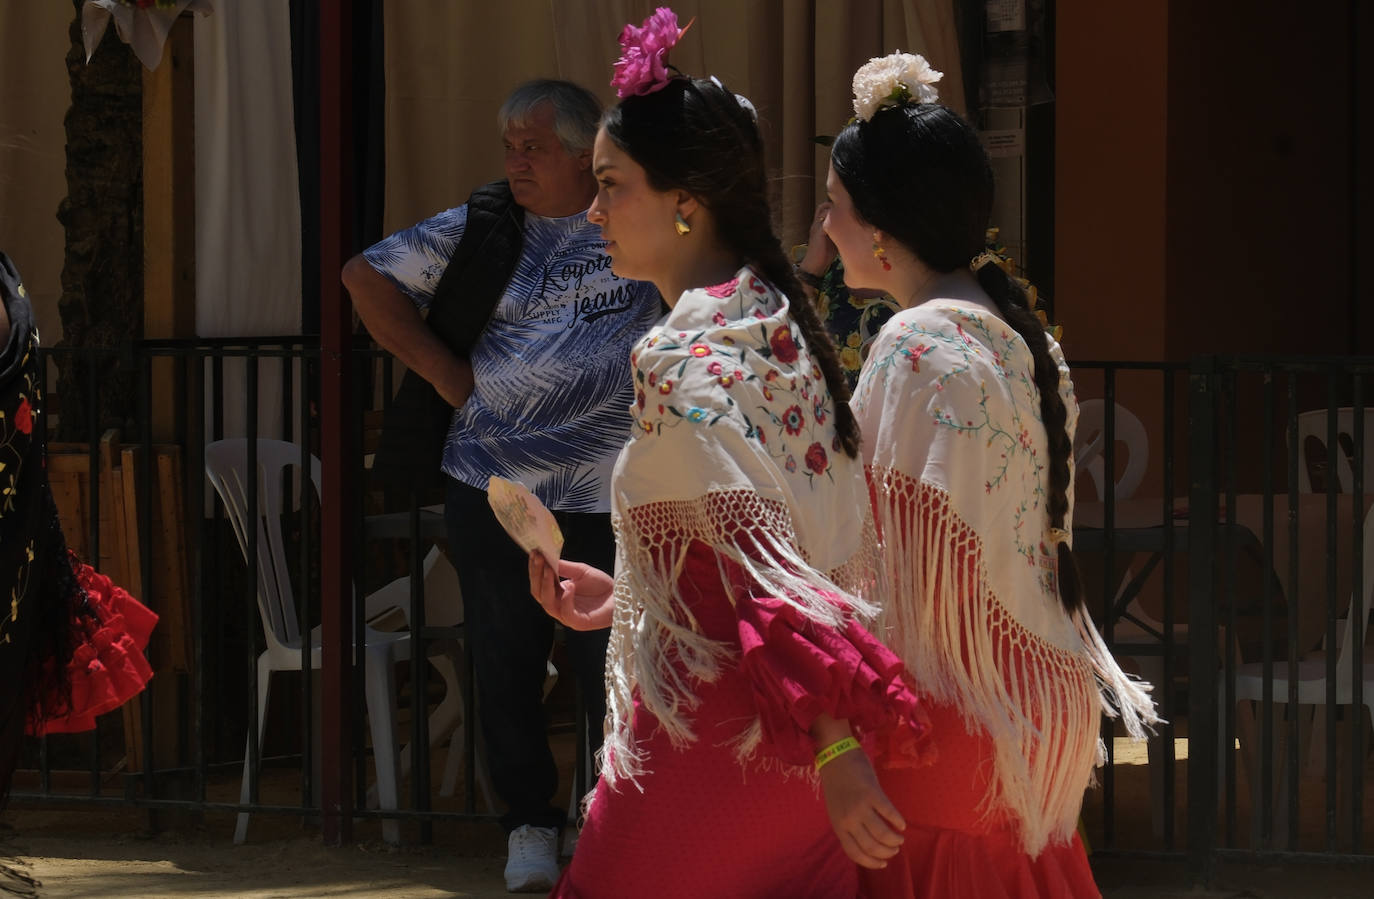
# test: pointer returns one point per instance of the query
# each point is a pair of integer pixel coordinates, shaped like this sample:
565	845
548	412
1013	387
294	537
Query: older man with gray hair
541	397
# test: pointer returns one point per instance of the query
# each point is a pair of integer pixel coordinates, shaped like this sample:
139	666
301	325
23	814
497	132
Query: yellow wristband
834	751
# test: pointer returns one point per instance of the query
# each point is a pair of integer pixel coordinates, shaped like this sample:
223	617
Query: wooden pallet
118	471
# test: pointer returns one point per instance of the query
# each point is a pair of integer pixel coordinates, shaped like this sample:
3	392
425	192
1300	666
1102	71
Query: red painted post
336	450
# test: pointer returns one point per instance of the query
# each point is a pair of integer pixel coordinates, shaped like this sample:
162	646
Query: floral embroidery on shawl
1003	430
762	353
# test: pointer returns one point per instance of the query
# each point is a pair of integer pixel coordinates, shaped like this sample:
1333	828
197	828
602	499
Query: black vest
416	423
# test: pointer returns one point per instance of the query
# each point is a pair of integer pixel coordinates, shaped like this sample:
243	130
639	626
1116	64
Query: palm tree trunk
102	272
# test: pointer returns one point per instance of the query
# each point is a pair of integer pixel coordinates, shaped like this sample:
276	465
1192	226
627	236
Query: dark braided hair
693	135
919	173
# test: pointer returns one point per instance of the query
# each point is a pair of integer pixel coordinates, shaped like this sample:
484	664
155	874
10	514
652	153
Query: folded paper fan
525	518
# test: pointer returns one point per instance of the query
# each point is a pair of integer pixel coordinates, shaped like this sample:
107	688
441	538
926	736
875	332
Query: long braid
753	235
823	348
1011	303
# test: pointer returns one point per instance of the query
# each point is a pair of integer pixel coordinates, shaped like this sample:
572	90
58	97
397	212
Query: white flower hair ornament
893	80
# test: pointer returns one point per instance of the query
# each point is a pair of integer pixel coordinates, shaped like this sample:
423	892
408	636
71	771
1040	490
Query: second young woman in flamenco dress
968	416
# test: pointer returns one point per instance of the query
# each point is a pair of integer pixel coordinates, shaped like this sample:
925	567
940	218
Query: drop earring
881	256
680	223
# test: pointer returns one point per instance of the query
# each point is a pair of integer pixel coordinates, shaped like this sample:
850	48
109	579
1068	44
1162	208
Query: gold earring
680	223
881	256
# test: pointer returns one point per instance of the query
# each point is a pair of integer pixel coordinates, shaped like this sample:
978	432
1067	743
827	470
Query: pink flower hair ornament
643	66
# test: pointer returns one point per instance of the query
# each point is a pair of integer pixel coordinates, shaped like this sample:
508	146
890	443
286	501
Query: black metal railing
1126	542
199	714
1278	497
1198	561
1232	590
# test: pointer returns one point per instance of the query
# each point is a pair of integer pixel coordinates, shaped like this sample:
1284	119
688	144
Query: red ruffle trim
952	864
108	666
800	669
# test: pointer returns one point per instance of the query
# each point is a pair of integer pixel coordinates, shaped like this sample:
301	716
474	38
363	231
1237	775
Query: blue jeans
509	638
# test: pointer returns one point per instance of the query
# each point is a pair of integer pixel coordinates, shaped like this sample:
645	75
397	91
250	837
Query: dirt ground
109	853
208	866
112	868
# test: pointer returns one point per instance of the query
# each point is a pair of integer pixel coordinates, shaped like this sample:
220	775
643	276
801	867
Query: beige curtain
248	214
449	66
34	96
248	222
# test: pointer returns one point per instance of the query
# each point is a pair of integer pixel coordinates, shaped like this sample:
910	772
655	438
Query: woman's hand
820	249
867	823
582	597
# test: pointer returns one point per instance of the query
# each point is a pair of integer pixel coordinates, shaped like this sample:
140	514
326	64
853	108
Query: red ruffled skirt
699	823
951	850
107	667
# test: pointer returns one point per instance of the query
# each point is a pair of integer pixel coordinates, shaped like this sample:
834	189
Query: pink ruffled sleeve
799	669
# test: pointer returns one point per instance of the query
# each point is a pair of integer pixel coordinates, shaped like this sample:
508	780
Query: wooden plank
169	214
168	590
119	545
169	555
69	471
69	476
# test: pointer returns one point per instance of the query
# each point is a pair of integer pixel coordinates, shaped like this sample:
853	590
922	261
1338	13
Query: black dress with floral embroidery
853	321
70	641
32	620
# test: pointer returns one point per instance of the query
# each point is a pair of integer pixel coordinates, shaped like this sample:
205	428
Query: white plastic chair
443	608
1312	426
1312	672
1090	447
226	464
1089	455
1311	681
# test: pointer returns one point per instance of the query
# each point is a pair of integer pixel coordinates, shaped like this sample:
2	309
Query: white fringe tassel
964	649
657	651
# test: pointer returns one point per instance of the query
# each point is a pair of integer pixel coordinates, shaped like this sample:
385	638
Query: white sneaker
532	863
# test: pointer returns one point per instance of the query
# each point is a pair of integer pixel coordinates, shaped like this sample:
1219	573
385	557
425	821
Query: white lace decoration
893	80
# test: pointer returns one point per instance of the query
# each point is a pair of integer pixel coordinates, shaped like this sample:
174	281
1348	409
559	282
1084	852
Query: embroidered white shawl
957	455
733	445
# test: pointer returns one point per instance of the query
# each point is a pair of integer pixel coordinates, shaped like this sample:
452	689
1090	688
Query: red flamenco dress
108	667
950	849
698	822
958	845
71	642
